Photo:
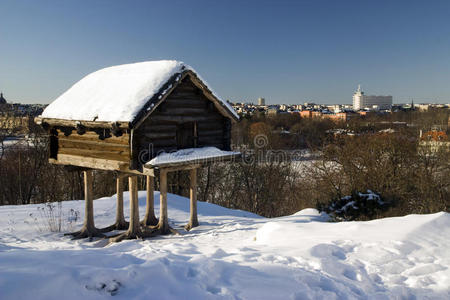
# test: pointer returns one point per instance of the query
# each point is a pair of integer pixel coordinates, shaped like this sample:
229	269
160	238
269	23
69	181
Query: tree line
325	167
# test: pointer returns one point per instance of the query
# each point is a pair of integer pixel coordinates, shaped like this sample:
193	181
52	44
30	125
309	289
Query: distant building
2	99
261	101
334	108
340	116
272	111
310	114
361	101
434	140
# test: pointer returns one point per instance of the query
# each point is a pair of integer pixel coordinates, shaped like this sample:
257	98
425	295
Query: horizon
288	53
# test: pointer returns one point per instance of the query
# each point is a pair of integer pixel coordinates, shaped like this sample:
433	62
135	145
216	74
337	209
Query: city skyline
291	52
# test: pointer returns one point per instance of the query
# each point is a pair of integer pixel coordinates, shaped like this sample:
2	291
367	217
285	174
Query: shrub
358	206
50	217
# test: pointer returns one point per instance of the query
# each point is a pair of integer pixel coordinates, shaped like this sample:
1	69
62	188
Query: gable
186	118
186	83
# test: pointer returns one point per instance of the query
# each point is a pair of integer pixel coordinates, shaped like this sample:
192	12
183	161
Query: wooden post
89	201
150	219
88	229
120	223
120	219
163	224
134	228
193	220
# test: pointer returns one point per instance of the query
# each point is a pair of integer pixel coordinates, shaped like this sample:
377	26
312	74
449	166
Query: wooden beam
75	123
169	168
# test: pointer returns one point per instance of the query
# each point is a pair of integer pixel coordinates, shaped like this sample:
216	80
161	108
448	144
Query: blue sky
285	51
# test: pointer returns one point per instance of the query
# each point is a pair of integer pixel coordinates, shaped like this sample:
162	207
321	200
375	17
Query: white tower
358	98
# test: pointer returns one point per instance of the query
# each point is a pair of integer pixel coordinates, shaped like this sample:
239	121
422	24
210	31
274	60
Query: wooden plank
107	154
207	133
98	163
215	122
210	139
157	127
158	135
185	104
96	154
92	145
157	144
183	119
214	125
89	162
175	167
183	111
187	100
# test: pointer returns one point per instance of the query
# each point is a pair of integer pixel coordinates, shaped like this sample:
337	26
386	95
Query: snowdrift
231	255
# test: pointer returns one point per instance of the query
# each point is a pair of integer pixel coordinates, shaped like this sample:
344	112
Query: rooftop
120	93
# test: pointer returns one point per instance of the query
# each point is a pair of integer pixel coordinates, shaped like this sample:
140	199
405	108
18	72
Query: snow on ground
231	255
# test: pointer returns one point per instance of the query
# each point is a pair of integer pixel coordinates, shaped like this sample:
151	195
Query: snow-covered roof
118	93
190	155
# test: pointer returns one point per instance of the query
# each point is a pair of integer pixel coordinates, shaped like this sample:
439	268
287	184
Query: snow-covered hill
232	255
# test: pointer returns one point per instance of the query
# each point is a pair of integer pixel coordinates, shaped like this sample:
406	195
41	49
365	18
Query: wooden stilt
134	229
88	230
163	224
88	196
120	223
193	220
150	219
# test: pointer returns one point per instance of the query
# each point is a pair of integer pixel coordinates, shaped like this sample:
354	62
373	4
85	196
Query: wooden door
186	135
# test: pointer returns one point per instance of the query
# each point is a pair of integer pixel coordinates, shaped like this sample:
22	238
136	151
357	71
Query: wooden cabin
121	117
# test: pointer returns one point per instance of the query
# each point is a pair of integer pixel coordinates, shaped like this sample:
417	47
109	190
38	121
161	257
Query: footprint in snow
111	287
325	250
192	273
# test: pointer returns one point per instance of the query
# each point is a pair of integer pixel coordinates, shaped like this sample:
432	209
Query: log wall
90	145
185	104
